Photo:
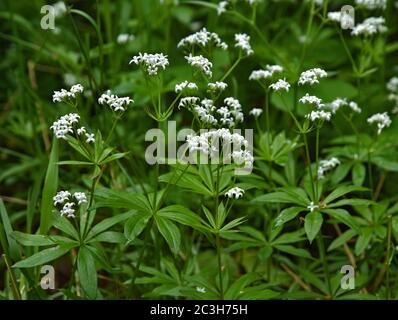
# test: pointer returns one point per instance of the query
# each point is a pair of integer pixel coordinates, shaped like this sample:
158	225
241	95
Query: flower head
65	95
369	27
61	197
256	112
203	38
326	165
281	84
242	42
185	85
114	102
313	100
381	119
319	114
64	125
200	62
151	62
312	76
235	192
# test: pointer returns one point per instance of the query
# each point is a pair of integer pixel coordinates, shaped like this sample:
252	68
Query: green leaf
110	237
339	241
169	232
63	224
363	240
49	189
344	217
358	174
87	272
280	197
136	224
75	163
12	248
108	223
42	257
31	239
294	251
312	225
350	202
287	215
341	191
184	216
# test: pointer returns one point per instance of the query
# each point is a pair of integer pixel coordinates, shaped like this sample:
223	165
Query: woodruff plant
319	166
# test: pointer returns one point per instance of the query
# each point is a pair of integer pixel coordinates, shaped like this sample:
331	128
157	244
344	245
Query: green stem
322	254
317	163
307	152
231	68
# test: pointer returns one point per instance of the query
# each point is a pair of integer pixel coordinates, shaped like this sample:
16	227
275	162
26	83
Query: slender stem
388	254
231	68
112	129
317	162
322	254
14	286
218	244
307	152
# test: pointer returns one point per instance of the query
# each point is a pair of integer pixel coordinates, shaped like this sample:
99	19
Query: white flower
382	120
326	165
235	192
336	104
242	42
217	86
370	26
114	102
201	289
203	38
68	210
80	197
187	102
64	125
243	157
392	84
312	207
281	84
90	137
124	38
61	197
65	95
311	76
256	112
372	4
319	114
260	74
185	84
81	130
151	62
59	8
354	107
222	7
314	100
334	16
201	62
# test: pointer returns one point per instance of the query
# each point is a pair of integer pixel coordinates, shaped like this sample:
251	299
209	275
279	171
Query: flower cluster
256	112
114	102
185	85
392	87
327	165
312	76
242	42
235	192
369	27
269	72
65	125
372	4
203	38
65	95
151	62
319	114
68	208
217	86
281	84
313	100
212	143
222	5
124	38
381	119
200	62
337	103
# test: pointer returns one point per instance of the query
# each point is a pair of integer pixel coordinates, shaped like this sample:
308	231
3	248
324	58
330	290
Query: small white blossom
392	84
217	86
203	38
235	192
269	72
381	119
201	62
61	197
124	38
222	7
151	62
90	137
185	85
201	289
64	125
312	76
370	26
313	100
326	165
187	102
65	95
312	207
372	4
242	42
319	114
114	102
354	107
281	84
81	131
256	112
68	210
80	197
